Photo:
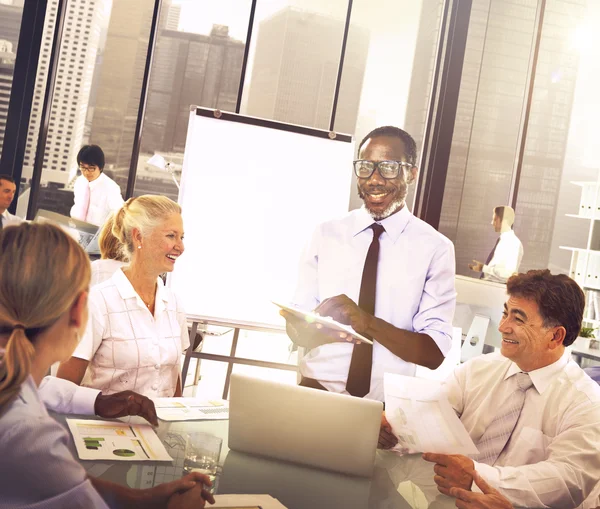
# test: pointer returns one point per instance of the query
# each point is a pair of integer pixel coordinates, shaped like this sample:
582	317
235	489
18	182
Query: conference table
398	482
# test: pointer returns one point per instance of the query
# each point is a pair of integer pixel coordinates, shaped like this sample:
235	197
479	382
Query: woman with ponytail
43	312
138	328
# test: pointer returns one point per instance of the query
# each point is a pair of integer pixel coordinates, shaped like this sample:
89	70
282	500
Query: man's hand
476	266
344	310
310	335
387	439
489	499
125	403
452	471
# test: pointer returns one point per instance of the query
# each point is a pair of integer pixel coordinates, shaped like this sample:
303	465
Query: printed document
422	418
190	409
116	441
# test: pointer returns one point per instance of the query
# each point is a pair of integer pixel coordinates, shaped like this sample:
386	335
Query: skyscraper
120	79
173	17
189	69
7	67
295	69
485	141
79	45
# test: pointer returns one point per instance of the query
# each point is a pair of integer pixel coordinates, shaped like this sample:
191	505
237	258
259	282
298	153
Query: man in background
96	195
8	188
381	270
506	255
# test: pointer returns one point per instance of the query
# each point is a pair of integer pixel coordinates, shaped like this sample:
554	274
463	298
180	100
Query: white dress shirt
8	219
506	260
65	397
414	289
104	198
552	458
104	269
128	348
38	469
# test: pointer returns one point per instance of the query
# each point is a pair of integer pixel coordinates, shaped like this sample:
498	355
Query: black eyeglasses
387	169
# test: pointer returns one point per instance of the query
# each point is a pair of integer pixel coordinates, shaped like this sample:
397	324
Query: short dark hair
410	146
499	212
7	177
91	154
560	299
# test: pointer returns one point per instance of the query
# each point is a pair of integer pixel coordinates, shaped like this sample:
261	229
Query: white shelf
582	217
580	249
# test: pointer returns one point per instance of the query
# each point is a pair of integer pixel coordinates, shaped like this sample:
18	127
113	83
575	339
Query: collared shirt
506	260
128	348
104	269
552	458
8	219
65	397
414	289
104	198
38	467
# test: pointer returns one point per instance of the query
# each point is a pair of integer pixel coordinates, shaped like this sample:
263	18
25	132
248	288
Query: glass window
11	13
388	70
485	143
293	61
104	105
197	61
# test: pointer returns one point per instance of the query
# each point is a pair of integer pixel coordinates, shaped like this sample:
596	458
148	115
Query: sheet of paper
116	441
190	409
326	321
246	502
422	418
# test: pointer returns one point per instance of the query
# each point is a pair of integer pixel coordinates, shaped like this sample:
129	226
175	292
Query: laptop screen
84	233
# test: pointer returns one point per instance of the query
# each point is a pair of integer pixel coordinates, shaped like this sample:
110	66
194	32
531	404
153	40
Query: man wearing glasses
381	270
96	195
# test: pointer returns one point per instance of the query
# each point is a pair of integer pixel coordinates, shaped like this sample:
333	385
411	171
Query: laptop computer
84	233
301	425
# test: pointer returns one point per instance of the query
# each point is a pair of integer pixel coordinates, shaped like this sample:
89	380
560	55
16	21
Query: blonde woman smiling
137	329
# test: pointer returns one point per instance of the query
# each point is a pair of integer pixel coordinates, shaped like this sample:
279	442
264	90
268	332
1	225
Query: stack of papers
422	418
116	441
190	409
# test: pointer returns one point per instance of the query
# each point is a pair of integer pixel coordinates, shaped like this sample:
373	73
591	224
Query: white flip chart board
252	193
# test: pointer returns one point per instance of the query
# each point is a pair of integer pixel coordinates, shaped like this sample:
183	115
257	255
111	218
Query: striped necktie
496	436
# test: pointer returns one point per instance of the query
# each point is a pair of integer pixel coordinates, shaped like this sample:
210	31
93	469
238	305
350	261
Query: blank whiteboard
252	193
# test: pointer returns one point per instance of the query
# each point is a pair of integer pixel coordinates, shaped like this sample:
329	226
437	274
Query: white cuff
489	473
84	400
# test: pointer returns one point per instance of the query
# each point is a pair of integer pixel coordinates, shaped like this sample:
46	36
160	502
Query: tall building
491	101
120	79
7	68
10	21
189	69
295	69
173	15
79	45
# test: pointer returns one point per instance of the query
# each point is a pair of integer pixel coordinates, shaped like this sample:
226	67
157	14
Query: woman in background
43	311
111	252
137	330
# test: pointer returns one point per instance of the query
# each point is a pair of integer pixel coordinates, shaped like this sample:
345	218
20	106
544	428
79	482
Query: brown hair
143	213
560	299
110	246
35	291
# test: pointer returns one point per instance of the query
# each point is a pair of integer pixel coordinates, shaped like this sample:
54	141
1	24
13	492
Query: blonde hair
35	291
110	246
144	213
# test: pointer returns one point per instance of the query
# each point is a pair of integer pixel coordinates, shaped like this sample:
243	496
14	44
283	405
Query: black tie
490	256
359	374
1	221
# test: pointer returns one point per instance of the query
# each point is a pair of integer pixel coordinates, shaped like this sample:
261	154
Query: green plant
586	332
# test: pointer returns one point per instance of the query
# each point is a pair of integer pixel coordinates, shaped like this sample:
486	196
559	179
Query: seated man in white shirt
381	270
532	412
8	189
95	194
506	255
